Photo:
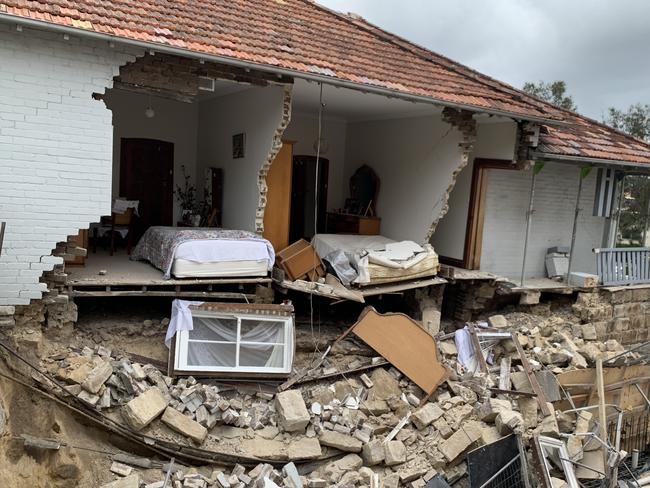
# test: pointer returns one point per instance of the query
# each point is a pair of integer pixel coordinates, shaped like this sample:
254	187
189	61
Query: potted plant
186	196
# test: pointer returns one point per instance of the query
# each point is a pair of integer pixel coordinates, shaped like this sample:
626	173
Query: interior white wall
493	141
174	122
414	159
555	197
303	130
257	112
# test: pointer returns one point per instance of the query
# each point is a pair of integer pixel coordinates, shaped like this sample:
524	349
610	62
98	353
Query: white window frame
183	338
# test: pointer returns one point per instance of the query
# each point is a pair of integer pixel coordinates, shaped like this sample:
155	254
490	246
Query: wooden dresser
342	223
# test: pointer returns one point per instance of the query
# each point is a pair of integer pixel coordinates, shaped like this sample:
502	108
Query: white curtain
225	330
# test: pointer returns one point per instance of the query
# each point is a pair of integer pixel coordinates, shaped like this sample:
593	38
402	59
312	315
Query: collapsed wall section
55	149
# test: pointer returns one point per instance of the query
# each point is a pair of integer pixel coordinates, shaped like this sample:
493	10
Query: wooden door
278	198
147	175
476	212
303	201
216	182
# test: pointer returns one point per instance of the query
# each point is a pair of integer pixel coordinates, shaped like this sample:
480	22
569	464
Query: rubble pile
361	429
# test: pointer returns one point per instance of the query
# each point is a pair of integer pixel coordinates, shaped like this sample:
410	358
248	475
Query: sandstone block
509	421
97	377
394	453
184	425
292	411
463	438
385	385
589	332
373	452
498	322
342	442
143	409
303	449
423	417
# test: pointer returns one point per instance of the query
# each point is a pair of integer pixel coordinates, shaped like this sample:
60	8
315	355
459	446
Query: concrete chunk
292	411
141	411
184	425
340	441
97	377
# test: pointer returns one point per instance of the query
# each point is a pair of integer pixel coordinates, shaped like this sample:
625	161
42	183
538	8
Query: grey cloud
600	48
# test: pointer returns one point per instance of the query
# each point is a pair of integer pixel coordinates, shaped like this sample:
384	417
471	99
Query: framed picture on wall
238	145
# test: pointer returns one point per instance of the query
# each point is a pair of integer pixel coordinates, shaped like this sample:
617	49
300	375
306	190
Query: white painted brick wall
55	148
555	196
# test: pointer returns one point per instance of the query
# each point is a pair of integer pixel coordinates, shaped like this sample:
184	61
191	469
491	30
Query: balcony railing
623	265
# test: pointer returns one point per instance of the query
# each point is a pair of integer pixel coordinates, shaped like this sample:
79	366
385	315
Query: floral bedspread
158	244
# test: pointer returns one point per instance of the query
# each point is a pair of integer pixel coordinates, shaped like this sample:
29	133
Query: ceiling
354	105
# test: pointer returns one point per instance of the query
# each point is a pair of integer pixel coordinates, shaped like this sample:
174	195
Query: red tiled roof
585	138
304	37
297	35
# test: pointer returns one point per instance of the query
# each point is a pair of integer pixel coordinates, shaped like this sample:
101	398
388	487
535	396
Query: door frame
476	211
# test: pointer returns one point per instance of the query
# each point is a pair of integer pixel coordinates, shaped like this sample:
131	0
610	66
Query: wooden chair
123	221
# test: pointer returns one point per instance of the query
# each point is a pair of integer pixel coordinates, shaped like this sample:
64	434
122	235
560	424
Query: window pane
261	356
214	329
262	331
633	218
211	355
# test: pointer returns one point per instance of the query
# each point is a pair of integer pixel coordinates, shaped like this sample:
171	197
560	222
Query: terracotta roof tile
292	34
583	137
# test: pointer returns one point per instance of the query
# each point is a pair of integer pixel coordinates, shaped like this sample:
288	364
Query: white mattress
182	268
224	250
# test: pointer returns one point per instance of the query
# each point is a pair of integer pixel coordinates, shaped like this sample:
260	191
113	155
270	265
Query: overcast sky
601	48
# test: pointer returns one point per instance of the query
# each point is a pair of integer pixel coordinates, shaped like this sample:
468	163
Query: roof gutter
76	31
582	160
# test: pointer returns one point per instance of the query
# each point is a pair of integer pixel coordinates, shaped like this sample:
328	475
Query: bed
195	252
378	259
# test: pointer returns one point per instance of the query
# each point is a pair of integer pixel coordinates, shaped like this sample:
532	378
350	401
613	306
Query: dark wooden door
216	177
147	175
303	198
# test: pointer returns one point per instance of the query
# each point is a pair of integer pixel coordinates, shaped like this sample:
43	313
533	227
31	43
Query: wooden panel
300	259
278	198
405	344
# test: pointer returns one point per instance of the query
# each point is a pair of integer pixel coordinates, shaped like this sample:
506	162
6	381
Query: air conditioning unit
206	83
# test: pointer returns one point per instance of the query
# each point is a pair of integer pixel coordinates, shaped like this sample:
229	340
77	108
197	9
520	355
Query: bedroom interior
188	152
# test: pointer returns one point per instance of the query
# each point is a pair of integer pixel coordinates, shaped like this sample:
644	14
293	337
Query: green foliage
554	92
635	121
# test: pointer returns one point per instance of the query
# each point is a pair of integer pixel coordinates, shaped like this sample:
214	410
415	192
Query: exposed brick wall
623	315
55	149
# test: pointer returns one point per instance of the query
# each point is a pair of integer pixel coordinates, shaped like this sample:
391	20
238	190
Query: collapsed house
221	152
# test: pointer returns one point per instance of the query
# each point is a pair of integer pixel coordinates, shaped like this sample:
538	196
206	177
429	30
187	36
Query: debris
339	441
184	425
404	344
132	481
394	453
292	411
120	469
142	410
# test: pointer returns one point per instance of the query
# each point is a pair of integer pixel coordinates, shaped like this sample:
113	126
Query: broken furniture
405	344
378	259
300	261
231	339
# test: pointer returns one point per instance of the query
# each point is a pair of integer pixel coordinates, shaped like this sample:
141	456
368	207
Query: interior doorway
303	198
147	175
476	211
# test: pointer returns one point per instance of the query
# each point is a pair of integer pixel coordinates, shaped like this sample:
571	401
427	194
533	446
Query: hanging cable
321	106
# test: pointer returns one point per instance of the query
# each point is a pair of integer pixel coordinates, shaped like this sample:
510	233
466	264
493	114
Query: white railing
623	265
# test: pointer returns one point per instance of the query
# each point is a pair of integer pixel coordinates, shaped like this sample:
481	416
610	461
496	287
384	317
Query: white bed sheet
224	250
182	268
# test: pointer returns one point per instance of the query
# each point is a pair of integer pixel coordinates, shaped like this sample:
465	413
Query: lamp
149	112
